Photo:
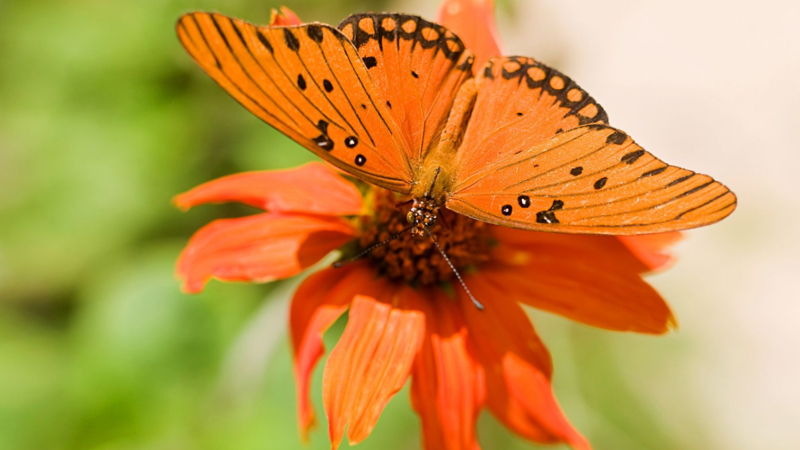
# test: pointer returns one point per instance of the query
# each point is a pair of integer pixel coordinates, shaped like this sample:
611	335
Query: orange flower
407	316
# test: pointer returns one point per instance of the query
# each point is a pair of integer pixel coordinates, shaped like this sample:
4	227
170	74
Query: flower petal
312	188
259	248
516	367
590	279
503	324
369	365
284	17
651	249
517	247
317	304
447	387
473	21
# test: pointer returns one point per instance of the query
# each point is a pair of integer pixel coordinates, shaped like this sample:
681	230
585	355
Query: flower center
414	258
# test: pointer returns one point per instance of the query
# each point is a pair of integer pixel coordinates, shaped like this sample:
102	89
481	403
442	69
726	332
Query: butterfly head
423	214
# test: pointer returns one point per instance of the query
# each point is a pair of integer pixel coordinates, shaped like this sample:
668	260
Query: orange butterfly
390	99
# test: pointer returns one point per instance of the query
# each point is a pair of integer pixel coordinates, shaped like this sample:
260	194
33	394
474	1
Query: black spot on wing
370	62
323	140
524	201
599	184
693	190
617	137
265	42
576	171
488	70
301	82
653	172
632	157
506	210
360	160
315	33
291	40
327	85
681	180
546	217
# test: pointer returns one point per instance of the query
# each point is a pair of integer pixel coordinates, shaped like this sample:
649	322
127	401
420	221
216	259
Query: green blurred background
103	118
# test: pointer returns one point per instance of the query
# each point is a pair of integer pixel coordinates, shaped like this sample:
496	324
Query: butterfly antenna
458	275
340	264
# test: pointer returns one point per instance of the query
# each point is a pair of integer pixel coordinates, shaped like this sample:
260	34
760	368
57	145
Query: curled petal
518	390
319	301
595	280
473	21
284	17
259	248
447	388
312	189
369	365
652	249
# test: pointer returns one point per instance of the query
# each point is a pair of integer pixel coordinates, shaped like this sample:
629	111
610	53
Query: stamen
340	264
458	275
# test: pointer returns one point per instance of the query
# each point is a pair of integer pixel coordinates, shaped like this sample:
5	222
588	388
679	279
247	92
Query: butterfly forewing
417	66
308	82
592	179
521	103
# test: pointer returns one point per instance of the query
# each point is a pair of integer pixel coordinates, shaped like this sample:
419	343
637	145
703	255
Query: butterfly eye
410	217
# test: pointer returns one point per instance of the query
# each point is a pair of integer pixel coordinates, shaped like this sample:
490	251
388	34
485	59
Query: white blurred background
713	86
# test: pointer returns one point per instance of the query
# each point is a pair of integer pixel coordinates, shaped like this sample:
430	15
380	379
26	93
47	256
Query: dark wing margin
417	65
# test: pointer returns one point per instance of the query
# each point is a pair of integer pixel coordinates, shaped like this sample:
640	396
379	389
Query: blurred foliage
103	118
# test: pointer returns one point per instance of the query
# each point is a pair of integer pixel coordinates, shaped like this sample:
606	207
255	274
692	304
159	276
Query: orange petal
317	304
369	365
518	247
518	387
259	248
447	387
652	249
473	21
590	279
284	17
503	324
312	188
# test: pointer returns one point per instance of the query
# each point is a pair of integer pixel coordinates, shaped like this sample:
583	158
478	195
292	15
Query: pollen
414	258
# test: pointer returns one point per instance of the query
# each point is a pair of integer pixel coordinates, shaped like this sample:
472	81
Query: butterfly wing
520	103
592	179
308	82
417	66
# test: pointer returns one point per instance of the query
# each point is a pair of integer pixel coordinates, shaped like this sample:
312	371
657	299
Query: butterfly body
392	100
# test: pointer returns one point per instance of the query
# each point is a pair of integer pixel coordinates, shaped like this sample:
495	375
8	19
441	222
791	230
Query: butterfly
391	99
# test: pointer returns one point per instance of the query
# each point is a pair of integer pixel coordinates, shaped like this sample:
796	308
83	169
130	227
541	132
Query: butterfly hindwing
592	179
520	103
417	67
309	82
